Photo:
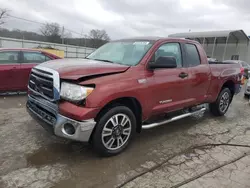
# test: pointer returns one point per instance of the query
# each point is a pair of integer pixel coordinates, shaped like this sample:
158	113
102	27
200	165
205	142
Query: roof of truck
153	39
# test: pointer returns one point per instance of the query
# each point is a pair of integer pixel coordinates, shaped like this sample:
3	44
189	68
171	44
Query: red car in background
16	64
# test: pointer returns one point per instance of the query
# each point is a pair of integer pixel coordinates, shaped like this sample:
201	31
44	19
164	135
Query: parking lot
193	152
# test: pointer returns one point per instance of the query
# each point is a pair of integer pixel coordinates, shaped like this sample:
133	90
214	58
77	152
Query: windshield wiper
105	60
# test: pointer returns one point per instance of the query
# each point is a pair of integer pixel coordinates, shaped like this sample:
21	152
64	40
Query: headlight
74	92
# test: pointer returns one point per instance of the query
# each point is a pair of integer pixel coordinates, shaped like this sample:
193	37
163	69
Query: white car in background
211	59
247	89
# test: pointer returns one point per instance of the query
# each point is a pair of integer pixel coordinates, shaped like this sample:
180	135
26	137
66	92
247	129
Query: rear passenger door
198	71
9	70
29	60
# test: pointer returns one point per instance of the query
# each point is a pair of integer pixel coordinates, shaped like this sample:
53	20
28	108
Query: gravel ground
200	151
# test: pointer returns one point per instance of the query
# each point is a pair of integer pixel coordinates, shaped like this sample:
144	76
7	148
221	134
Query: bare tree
3	14
98	37
99	34
51	31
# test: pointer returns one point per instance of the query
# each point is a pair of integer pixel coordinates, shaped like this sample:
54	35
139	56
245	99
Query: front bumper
46	113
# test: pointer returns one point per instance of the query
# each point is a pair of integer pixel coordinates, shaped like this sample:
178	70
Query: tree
98	37
99	34
3	14
52	32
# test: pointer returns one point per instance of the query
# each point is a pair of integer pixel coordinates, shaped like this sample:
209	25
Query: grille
44	114
42	82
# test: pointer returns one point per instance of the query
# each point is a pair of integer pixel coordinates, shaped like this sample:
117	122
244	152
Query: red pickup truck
16	64
121	87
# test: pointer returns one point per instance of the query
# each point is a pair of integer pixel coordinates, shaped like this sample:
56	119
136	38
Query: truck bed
220	73
224	70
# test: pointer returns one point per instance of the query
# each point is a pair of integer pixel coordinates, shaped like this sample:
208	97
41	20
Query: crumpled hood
78	68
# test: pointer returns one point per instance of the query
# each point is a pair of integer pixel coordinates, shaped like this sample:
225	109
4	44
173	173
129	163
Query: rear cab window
9	57
192	55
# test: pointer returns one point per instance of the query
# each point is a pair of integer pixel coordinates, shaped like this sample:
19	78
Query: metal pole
85	43
237	46
225	49
22	42
63	35
214	47
66	51
203	43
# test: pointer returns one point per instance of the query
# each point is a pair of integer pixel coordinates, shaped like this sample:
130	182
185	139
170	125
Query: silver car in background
245	70
247	89
245	67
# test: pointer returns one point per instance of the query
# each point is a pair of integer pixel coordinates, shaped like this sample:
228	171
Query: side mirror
163	62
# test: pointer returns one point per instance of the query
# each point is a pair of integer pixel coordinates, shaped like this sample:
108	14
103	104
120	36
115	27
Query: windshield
122	52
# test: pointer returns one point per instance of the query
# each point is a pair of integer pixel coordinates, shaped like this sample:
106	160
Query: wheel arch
231	86
131	102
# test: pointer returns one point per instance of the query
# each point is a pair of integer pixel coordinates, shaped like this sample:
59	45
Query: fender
108	99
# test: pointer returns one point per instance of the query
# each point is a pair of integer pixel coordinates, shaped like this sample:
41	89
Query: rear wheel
114	131
221	105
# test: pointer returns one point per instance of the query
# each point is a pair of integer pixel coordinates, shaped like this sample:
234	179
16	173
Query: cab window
193	57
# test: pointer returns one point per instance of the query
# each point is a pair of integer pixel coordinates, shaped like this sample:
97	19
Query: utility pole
81	37
85	44
62	35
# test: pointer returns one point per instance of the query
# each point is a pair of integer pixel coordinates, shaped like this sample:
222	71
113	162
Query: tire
224	97
246	96
106	139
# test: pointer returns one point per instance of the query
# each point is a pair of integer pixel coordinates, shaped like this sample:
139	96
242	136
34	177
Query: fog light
69	129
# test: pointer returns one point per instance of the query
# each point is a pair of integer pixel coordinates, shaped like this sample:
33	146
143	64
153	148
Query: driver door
169	85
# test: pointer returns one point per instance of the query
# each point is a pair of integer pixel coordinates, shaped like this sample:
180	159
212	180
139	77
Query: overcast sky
125	18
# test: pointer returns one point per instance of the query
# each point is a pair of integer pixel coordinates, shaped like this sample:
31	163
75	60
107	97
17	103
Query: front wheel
114	131
221	105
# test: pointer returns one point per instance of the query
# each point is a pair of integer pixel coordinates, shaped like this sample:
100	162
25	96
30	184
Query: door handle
183	75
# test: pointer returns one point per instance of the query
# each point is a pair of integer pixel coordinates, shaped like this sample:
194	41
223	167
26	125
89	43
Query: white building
222	45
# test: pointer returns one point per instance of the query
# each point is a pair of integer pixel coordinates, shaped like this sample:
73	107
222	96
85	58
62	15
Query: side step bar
149	126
